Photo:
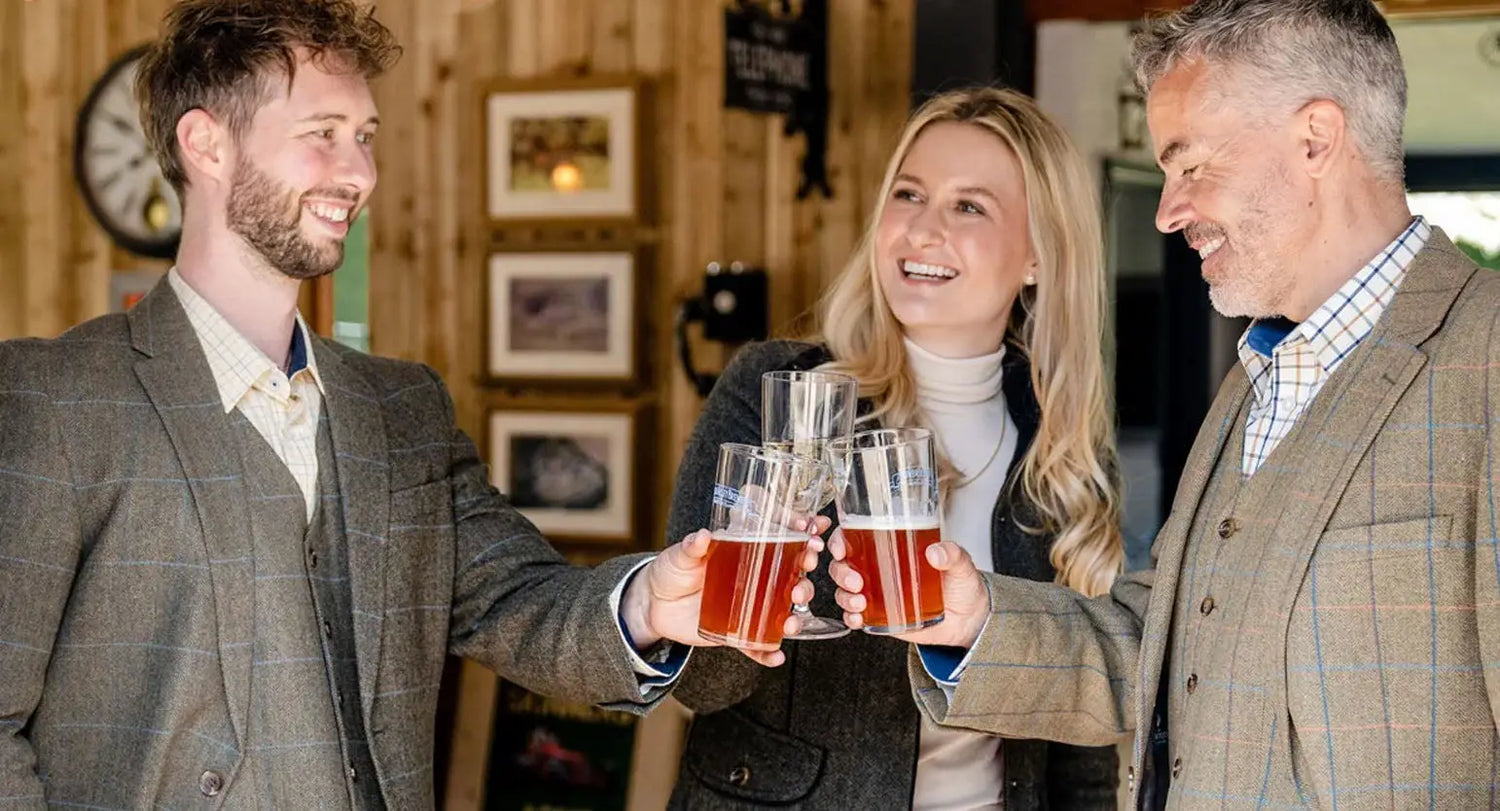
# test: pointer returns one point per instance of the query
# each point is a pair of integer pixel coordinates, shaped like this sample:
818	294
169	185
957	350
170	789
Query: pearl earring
1030	279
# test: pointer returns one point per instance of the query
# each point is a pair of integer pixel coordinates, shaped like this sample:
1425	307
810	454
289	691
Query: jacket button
1228	527
210	783
740	776
1176	768
1207	606
1192	683
1130	777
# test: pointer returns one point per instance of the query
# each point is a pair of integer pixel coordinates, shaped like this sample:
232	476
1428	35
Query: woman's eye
906	195
969	208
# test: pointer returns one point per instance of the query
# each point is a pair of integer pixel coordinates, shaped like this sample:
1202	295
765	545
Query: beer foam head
888	522
731	536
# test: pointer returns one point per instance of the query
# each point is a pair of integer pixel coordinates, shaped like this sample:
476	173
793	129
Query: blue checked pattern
1287	364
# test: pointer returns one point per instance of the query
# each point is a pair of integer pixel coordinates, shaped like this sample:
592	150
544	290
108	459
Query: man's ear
204	144
1323	134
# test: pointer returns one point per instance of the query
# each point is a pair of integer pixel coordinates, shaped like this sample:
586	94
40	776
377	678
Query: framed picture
563	150
574	469
547	753
1439	8
563	315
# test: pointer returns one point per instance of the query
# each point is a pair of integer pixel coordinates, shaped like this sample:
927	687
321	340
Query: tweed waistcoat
307	746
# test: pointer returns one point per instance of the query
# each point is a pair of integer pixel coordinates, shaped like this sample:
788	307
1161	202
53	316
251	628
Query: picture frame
563	150
574	468
1439	8
563	316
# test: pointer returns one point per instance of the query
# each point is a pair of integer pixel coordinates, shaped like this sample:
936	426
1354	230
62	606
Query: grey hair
1293	52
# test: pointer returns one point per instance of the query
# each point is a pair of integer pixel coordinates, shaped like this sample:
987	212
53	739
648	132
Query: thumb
949	557
680	568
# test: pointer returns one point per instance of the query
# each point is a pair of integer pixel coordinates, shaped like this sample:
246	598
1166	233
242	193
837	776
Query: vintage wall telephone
732	308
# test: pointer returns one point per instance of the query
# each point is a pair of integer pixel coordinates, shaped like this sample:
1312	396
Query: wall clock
116	170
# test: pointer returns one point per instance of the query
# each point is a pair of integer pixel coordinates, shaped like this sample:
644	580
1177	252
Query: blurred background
586	206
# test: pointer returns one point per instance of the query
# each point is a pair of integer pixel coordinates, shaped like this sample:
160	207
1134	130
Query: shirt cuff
662	663
946	664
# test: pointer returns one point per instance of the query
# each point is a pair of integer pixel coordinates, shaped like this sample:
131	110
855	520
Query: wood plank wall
721	184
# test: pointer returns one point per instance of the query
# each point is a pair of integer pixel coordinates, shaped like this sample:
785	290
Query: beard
268	216
1248	279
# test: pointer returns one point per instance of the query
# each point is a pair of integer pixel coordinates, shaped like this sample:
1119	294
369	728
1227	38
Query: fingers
809	561
802	593
855	620
821	524
852	603
845	577
836	546
772	658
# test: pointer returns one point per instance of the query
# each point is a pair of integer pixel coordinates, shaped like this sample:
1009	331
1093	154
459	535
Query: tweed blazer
1361	666
796	736
126	577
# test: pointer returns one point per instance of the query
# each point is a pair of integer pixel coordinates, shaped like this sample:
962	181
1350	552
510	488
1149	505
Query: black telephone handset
732	309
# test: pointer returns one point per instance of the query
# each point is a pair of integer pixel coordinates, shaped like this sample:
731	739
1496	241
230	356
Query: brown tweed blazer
126	590
1351	658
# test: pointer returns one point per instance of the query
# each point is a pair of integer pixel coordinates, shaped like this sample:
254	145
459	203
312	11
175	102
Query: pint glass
887	493
760	497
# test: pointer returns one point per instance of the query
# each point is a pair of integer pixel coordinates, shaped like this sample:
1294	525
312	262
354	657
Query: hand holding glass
886	489
801	412
764	505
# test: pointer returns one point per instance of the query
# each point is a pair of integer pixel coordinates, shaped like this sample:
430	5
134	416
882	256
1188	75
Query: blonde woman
973	306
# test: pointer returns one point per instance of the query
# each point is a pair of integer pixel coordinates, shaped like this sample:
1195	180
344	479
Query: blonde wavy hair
1070	471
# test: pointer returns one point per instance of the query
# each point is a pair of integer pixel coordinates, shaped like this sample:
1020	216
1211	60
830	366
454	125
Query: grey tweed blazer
126	594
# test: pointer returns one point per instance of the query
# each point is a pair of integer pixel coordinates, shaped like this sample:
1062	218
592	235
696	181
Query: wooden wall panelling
13	269
44	299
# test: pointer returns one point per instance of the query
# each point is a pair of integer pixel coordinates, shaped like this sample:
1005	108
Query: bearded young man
234	555
1321	627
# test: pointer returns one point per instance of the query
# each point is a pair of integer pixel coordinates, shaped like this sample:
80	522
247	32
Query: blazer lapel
359	443
180	385
1353	406
1225	416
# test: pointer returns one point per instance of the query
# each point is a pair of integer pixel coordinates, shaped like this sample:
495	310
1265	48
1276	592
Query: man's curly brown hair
225	57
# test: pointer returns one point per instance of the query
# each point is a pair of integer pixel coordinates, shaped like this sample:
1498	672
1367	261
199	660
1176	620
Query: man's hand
966	600
663	599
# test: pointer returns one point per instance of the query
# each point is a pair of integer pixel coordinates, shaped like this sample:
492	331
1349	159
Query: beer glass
801	411
887	495
760	497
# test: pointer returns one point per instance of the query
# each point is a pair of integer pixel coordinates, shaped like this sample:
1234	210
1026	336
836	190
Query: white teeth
928	271
1208	249
331	213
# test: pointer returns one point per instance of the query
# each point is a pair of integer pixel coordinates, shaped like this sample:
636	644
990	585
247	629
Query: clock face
117	172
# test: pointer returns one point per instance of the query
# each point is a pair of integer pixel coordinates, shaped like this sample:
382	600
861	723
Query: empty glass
801	412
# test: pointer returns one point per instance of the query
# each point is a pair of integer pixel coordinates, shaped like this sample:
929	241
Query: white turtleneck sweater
957	769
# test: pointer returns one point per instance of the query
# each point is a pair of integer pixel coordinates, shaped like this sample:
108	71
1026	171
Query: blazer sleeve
720	677
1050	664
40	545
521	609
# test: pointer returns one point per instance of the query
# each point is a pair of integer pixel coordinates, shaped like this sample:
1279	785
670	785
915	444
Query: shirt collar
1343	321
237	364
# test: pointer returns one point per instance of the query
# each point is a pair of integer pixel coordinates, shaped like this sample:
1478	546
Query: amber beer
902	590
747	594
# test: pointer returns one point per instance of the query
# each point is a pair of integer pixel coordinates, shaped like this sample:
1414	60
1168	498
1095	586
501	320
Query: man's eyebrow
374	119
1171	152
